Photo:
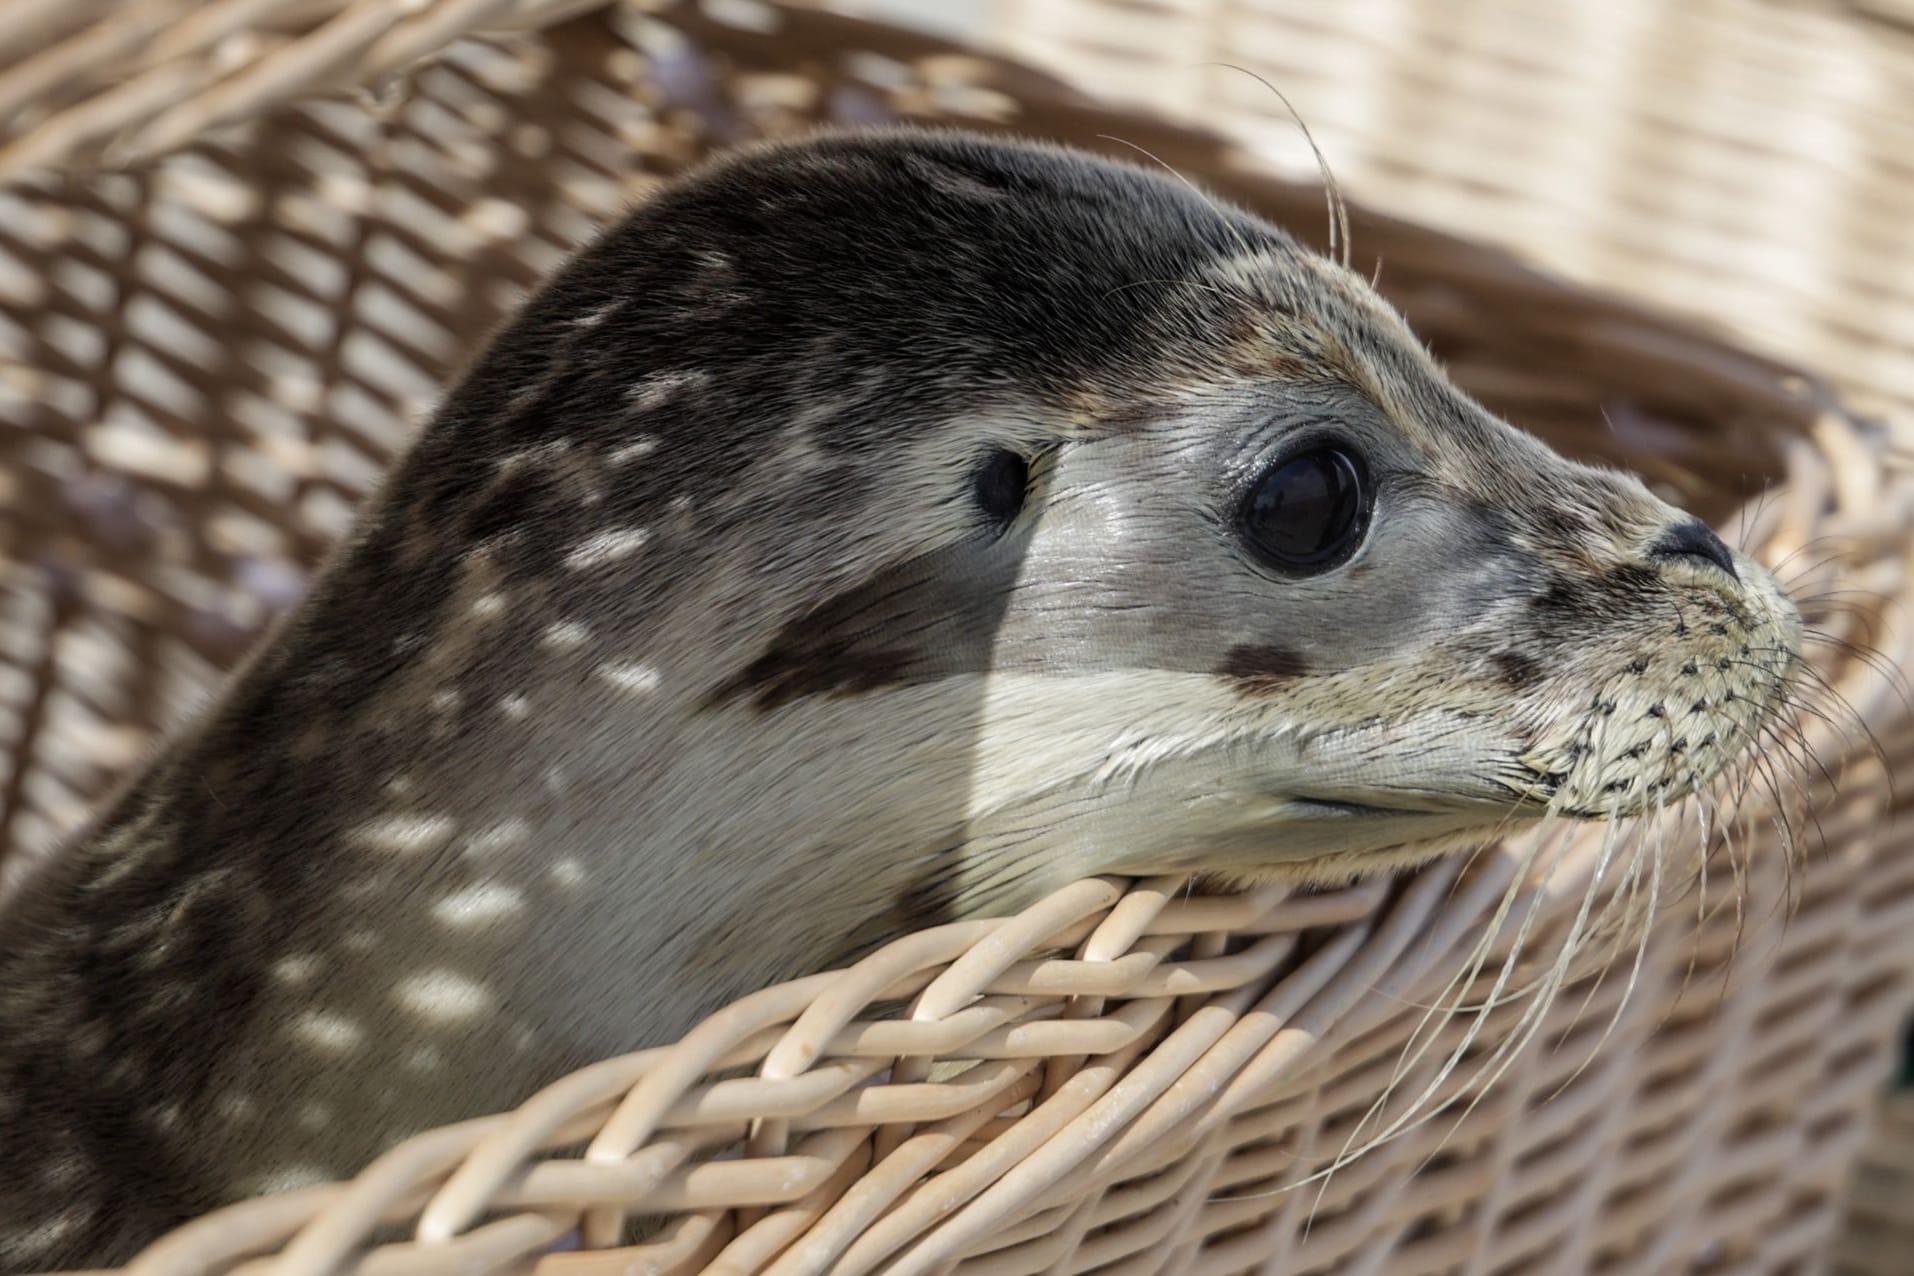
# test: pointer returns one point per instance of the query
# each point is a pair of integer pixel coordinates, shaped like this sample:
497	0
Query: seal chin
1387	844
1359	826
1297	834
1440	792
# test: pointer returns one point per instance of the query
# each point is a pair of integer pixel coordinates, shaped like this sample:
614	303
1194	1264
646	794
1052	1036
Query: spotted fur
674	660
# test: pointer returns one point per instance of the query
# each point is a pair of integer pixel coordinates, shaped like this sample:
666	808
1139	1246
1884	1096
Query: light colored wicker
206	356
1744	162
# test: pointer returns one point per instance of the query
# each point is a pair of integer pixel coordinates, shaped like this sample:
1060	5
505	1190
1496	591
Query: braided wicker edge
1838	471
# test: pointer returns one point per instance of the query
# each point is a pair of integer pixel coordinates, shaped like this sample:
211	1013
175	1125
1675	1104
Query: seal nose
1693	538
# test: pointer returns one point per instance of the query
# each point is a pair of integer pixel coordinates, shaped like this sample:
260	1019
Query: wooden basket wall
208	354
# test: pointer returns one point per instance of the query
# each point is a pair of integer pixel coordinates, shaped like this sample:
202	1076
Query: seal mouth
1434	819
1341	809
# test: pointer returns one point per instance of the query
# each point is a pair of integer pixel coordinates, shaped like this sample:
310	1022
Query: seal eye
1306	514
1000	485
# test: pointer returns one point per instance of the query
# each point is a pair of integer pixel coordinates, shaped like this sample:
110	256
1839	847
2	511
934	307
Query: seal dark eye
1000	485
1307	513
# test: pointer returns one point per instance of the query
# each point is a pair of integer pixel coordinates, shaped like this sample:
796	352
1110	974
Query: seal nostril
1693	538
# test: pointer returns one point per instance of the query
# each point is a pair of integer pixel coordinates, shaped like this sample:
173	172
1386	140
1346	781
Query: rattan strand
213	353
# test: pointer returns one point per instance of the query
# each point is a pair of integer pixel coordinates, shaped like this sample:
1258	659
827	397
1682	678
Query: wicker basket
208	354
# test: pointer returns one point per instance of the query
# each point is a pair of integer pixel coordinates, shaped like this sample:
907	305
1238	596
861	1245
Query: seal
870	531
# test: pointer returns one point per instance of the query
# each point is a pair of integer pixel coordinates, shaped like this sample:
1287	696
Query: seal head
868	532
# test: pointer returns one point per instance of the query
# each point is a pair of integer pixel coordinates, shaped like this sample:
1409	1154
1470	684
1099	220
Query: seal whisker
1415	1114
1338	210
1542	994
1228	223
1737	829
1536	1010
1641	924
1785	731
1617	914
1832	548
1423	1037
1829	698
1842	602
1749	515
1706	830
1786	789
1874	658
1539	996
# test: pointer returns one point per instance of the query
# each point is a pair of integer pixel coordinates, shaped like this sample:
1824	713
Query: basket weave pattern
206	358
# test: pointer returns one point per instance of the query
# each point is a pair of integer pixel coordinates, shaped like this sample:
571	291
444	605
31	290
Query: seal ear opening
1000	487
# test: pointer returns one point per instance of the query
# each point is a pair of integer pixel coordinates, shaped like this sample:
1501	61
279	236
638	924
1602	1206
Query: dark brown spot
913	622
1632	579
1569	602
1561	524
1516	670
510	505
785	674
1562	596
929	899
1262	668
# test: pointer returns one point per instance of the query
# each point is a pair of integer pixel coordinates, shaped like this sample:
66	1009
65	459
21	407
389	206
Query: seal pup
868	532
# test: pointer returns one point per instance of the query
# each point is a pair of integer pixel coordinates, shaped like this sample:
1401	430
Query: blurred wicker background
1746	162
207	355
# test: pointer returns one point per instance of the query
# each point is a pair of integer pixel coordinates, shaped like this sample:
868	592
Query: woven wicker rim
835	1158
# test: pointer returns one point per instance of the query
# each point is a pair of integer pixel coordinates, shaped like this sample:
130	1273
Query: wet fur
673	661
